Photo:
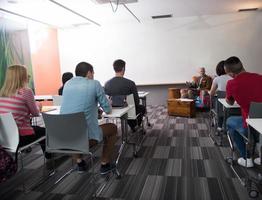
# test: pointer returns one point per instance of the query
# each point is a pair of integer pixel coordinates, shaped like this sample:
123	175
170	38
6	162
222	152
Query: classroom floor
178	160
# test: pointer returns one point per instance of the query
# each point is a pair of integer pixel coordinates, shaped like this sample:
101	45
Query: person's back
82	95
121	86
65	77
221	82
246	88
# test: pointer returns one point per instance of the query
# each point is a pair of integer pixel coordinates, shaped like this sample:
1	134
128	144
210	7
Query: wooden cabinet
181	107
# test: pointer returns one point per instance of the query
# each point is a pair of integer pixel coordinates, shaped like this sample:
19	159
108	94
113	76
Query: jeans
235	128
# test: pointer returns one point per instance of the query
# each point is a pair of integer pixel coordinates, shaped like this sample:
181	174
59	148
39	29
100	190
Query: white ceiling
48	12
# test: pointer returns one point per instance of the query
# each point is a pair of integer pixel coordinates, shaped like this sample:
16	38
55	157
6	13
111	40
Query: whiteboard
164	51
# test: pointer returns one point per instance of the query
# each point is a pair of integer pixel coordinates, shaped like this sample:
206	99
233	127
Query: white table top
43	97
226	105
142	94
118	112
51	109
256	123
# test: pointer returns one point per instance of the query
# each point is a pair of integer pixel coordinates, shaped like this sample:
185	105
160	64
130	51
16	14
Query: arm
135	93
101	97
229	93
30	102
213	88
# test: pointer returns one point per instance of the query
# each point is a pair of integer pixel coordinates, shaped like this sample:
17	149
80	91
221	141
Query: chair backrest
255	110
66	132
218	106
9	135
130	101
57	100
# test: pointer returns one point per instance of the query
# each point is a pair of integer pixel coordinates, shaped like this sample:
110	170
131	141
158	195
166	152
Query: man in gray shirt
123	86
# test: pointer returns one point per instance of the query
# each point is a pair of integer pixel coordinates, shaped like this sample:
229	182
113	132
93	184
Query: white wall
165	51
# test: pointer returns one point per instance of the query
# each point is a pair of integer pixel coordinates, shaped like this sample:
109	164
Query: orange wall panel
45	62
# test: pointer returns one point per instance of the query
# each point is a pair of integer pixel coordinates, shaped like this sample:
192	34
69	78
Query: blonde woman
16	97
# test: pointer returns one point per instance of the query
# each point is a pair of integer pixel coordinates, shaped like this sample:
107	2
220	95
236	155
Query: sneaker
219	129
257	161
105	169
81	167
241	161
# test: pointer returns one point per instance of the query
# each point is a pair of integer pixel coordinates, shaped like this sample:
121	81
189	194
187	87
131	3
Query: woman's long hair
15	79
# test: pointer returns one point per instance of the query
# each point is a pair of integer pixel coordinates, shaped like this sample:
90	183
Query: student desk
256	123
122	114
119	113
43	98
227	108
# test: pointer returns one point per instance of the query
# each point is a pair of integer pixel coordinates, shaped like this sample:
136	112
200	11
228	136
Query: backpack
8	166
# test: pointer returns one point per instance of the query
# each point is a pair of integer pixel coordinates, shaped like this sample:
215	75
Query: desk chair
9	139
139	128
216	117
255	111
57	100
67	134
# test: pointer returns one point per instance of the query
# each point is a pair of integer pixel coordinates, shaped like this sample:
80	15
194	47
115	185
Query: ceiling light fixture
76	13
29	18
162	16
247	9
131	13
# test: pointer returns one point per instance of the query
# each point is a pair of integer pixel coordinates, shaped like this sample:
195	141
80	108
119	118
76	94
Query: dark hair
220	68
83	68
119	65
66	76
233	65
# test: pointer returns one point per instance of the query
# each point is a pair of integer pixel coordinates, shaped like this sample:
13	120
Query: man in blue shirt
82	94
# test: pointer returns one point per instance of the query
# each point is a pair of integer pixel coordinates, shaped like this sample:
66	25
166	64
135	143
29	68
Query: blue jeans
235	128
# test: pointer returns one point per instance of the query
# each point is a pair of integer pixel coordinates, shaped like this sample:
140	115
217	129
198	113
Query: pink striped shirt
23	107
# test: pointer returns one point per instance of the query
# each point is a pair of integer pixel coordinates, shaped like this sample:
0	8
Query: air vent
115	1
162	16
247	9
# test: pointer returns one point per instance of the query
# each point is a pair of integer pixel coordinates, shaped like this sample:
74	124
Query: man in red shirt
244	88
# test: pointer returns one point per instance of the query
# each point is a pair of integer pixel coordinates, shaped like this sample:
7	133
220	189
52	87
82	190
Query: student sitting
65	77
219	84
201	82
16	97
244	88
82	94
123	86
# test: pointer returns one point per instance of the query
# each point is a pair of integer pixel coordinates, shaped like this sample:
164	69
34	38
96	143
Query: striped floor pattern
177	160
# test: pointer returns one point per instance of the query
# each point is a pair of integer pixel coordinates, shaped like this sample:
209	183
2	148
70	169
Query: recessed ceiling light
247	9
12	1
162	16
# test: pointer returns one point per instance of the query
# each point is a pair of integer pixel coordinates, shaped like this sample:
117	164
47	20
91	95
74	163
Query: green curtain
14	48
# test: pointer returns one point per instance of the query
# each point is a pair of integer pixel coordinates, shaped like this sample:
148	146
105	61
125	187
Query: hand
100	112
39	105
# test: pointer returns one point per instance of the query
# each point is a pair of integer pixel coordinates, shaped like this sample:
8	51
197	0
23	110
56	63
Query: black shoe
48	155
81	167
105	169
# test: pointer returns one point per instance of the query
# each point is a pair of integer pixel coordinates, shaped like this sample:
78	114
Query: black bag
119	101
8	166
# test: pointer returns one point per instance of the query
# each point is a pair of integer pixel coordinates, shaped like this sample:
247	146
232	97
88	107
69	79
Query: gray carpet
177	160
